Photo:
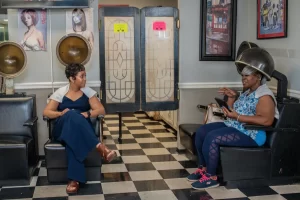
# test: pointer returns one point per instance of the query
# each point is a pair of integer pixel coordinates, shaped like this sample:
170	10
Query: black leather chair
56	158
277	162
18	140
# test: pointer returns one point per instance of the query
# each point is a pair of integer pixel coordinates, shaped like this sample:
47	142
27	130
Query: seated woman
257	105
72	106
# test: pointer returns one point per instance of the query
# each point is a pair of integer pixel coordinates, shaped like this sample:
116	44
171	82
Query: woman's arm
265	112
96	107
51	110
40	39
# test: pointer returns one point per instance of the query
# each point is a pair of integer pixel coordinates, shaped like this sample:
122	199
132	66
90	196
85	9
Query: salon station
150	99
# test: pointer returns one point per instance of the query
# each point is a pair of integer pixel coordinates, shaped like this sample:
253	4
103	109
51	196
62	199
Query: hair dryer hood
257	58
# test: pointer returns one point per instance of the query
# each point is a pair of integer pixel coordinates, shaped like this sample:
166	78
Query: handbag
213	113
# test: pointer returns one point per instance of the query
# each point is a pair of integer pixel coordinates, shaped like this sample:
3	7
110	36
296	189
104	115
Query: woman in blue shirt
257	105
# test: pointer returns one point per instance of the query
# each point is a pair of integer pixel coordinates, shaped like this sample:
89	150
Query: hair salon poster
80	21
32	28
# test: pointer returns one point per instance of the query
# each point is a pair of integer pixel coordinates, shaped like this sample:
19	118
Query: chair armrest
46	118
100	117
258	127
270	128
30	122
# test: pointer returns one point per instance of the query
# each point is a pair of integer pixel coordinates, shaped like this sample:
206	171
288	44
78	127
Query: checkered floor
149	168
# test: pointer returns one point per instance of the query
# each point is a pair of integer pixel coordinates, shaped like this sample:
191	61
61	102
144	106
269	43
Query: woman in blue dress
72	106
256	105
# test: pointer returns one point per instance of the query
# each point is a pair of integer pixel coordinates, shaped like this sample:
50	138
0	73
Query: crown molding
50	85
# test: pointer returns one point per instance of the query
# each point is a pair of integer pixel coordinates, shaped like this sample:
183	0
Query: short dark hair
73	69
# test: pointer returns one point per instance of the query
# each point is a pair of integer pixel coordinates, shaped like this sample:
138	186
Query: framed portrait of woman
32	29
272	19
80	21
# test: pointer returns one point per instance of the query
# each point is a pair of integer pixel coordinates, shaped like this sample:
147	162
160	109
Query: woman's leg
224	136
201	133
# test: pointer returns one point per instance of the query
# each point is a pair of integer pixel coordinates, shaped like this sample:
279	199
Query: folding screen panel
159	58
139	58
119	58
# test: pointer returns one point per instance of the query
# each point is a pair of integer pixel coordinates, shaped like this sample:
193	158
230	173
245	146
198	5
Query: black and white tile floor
149	168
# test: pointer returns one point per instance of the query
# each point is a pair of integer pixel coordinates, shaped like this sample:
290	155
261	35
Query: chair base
60	175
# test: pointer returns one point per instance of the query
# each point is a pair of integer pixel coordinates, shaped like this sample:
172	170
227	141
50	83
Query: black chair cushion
11	141
56	156
14	112
189	129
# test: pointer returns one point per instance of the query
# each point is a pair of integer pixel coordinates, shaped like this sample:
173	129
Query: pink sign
159	26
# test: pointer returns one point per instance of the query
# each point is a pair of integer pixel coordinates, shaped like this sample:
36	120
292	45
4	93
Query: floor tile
43	181
118	187
125	141
286	189
295	196
167	165
135	159
140	167
111	168
90	189
180	157
117	128
52	198
257	191
160	131
151	123
157	195
178	183
151	185
146	140
131	121
124	132
151	145
111	121
188	164
50	191
136	127
167	139
139	124
161	158
115	177
36	172
128	146
169	144
109	141
146	135
123	196
16	193
142	131
223	193
268	197
163	135
131	152
88	197
145	175
156	151
191	194
114	125
174	173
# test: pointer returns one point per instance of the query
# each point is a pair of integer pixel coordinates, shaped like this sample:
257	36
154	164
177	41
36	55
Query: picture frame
277	11
218	30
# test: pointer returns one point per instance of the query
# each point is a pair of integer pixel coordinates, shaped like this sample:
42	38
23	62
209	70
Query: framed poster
218	30
271	19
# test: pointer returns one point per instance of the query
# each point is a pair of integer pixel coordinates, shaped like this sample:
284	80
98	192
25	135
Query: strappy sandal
72	187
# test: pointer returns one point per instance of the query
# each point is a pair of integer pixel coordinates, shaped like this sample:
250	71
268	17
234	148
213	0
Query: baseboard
207	85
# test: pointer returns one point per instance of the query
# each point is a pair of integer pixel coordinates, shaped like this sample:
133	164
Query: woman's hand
233	114
64	111
85	114
226	91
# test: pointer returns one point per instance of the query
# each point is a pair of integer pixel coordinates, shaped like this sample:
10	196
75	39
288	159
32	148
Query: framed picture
272	19
218	30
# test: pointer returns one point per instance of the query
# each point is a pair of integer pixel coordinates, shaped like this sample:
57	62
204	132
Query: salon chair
56	157
276	162
18	140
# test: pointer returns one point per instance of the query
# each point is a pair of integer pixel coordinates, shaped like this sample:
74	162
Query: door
139	58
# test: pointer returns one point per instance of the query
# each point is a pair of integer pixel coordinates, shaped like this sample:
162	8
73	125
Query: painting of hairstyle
80	21
32	26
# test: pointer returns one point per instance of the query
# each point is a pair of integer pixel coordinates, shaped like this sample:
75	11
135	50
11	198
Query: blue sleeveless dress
77	134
